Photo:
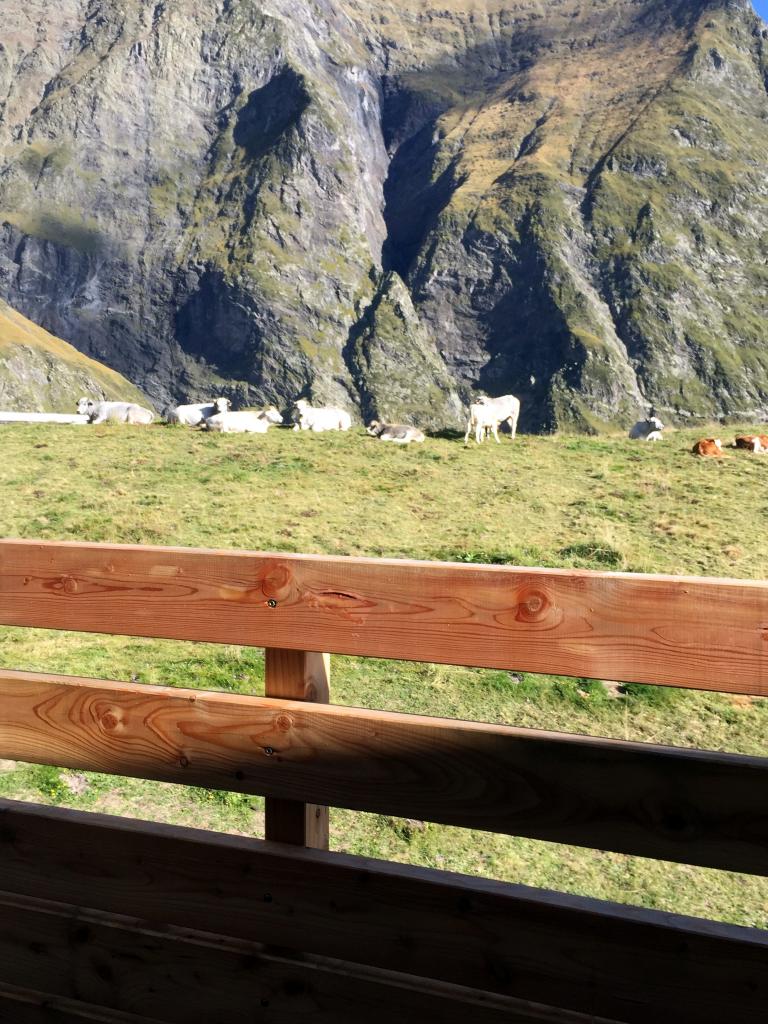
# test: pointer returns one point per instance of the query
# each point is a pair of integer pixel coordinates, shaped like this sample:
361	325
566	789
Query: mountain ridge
563	201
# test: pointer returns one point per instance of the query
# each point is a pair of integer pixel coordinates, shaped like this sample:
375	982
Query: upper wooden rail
703	633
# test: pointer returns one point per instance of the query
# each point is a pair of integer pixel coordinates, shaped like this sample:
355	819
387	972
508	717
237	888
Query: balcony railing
145	922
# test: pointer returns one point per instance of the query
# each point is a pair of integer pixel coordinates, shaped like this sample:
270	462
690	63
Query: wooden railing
350	938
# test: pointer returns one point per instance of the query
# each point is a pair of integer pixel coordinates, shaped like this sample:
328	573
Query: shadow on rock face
270	111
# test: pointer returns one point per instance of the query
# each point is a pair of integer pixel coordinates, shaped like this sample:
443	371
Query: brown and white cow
708	446
752	442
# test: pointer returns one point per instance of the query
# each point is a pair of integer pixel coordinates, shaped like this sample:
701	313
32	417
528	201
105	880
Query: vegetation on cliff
572	195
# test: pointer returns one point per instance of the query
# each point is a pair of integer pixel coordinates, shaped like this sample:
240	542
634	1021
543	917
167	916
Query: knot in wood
110	720
66	583
283	723
533	605
679	820
276	581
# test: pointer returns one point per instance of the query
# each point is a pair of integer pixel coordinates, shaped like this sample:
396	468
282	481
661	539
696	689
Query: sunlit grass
603	503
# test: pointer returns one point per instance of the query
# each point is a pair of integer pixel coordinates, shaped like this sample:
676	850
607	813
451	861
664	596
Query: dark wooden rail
105	919
593	957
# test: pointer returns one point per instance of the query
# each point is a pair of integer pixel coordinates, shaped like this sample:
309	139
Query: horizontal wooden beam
675	804
31	1006
583	955
118	964
705	633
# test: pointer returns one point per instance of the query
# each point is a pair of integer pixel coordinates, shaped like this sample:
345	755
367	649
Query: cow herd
486	415
650	429
712	447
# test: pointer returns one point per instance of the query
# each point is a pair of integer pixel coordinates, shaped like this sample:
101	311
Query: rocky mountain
390	204
41	373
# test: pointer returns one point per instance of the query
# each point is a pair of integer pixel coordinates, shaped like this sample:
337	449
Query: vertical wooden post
297	675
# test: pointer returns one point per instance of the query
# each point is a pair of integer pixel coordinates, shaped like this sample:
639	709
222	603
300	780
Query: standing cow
486	414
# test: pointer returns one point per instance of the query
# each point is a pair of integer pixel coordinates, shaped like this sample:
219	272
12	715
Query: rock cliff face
40	373
389	205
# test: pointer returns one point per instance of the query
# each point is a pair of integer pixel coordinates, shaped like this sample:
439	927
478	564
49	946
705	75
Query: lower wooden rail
102	964
581	955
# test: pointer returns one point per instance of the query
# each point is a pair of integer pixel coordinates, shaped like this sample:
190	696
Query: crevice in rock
414	195
351	357
532	140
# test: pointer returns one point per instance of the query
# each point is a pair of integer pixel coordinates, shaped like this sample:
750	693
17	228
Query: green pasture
604	503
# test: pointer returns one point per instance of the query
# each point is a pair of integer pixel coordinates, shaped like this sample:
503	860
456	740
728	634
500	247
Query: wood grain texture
596	958
301	676
121	964
30	1006
705	633
692	806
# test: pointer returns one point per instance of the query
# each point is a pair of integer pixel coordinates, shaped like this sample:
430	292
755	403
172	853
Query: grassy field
604	503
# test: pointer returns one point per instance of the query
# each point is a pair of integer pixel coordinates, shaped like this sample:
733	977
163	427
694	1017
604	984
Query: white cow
395	432
194	415
244	422
486	414
319	419
114	412
647	430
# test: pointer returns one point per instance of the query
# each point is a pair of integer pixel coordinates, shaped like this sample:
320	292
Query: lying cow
752	442
708	446
114	412
394	432
319	419
194	415
244	422
486	414
647	430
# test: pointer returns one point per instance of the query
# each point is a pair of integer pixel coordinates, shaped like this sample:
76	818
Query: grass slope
40	372
565	501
